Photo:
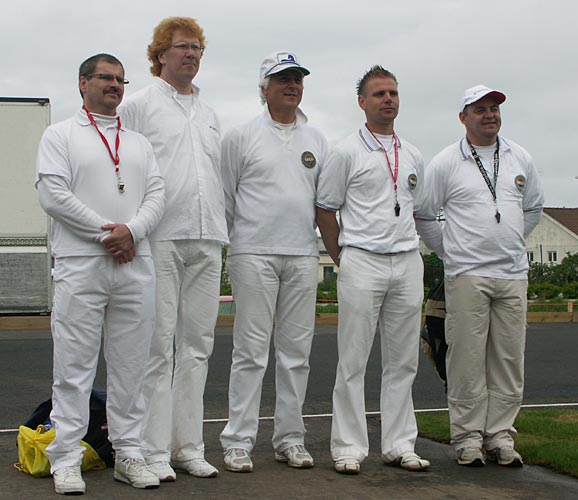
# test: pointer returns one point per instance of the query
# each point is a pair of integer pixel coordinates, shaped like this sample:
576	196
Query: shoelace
135	463
237	453
67	472
300	449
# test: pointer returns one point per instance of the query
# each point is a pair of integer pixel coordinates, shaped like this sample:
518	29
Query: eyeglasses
195	47
107	77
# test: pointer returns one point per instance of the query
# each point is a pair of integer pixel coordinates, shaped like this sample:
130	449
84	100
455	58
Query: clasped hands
119	243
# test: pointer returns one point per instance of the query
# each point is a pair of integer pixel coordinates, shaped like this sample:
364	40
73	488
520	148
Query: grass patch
545	437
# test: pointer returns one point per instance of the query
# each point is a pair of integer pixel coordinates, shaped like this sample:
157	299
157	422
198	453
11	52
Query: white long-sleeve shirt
78	187
270	175
186	143
471	241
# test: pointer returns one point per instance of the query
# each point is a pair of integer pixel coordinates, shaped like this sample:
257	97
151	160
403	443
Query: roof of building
568	217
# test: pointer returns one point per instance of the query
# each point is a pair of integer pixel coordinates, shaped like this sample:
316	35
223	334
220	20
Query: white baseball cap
280	61
474	94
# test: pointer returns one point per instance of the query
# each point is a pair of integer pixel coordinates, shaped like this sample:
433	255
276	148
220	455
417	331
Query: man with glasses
186	247
100	184
270	168
492	199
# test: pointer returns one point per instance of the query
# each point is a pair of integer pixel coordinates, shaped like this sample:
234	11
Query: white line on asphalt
369	413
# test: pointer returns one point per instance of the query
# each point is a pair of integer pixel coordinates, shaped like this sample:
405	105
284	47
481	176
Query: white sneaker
506	456
409	461
134	471
295	456
163	471
238	460
197	467
347	465
68	481
470	457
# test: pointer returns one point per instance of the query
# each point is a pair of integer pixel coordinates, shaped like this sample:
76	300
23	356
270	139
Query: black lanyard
491	187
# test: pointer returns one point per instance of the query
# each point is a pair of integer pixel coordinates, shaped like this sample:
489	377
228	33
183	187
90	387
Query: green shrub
570	290
544	291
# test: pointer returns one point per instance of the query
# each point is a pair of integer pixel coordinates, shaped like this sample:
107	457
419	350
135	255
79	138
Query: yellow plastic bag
32	457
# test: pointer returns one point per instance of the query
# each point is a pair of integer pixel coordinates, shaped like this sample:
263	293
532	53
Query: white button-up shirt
186	142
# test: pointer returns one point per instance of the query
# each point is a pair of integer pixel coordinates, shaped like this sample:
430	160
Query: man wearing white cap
374	179
270	168
492	199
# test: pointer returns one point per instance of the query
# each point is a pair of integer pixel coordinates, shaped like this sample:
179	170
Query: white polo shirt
78	178
356	181
270	173
474	243
186	142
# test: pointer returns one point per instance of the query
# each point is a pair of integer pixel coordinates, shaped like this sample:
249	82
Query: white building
554	237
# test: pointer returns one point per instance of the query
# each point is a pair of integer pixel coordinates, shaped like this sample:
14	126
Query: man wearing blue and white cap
270	167
492	200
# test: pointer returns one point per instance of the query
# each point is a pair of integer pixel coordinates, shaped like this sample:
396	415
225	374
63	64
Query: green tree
557	274
225	283
433	271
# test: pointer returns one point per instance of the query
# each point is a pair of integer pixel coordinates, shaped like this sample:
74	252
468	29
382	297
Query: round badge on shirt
308	159
412	181
520	181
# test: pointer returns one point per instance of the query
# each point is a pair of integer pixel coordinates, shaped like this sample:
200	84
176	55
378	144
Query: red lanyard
115	158
395	169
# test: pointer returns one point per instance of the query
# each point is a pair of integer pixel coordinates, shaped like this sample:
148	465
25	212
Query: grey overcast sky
437	48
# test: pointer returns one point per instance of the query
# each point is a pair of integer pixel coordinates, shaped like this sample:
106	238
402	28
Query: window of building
552	256
530	256
329	274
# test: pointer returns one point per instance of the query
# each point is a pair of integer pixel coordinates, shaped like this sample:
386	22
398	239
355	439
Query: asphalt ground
551	377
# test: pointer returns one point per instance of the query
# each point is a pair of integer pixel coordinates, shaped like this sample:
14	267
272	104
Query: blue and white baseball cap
280	61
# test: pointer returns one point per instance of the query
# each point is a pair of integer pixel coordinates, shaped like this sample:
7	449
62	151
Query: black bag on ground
97	432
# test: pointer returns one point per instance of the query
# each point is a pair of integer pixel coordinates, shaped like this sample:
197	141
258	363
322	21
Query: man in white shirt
374	179
492	199
100	184
270	168
186	247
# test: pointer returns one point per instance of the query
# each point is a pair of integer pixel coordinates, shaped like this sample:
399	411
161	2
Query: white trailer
25	261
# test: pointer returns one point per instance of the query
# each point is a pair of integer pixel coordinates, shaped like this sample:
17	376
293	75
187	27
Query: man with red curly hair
186	247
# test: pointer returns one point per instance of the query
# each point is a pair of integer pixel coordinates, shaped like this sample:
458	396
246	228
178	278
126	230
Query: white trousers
271	292
388	288
96	298
188	282
486	336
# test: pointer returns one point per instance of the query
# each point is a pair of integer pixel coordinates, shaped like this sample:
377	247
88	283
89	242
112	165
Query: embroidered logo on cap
520	181
412	181
308	159
286	57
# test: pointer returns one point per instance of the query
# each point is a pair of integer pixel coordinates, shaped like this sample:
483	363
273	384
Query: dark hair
88	66
373	72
